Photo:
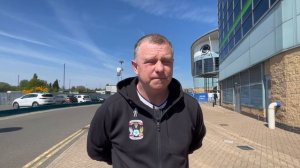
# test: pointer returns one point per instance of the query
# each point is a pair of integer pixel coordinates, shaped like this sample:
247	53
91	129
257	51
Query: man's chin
159	87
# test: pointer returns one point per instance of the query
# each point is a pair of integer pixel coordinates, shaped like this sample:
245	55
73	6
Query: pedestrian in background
150	121
215	99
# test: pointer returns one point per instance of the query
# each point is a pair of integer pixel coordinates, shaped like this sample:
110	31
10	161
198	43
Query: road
23	138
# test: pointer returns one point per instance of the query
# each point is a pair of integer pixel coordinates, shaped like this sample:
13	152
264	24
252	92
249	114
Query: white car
83	98
33	100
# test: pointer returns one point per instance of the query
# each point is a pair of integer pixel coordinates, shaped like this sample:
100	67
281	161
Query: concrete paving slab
232	140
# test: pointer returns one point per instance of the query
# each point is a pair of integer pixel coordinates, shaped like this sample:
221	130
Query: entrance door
237	98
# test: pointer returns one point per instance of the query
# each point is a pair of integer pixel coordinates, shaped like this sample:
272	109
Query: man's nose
159	67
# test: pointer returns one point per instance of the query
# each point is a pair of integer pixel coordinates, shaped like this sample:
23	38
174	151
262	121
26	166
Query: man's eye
167	62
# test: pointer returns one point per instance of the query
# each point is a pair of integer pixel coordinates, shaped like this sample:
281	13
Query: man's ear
134	66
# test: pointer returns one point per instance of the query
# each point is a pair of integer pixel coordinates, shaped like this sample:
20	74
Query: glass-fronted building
205	62
260	57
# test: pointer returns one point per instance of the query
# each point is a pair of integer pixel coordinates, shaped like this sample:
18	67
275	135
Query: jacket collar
127	88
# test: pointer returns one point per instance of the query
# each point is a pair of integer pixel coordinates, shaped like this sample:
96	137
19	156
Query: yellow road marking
50	152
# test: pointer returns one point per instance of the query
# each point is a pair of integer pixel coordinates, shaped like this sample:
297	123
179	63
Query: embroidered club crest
136	129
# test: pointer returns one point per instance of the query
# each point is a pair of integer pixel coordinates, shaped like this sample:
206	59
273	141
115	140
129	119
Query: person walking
215	99
150	121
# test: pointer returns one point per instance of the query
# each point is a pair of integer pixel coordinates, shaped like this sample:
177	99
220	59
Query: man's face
154	65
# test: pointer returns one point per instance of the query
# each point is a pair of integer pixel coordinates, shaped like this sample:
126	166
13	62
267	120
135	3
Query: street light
120	69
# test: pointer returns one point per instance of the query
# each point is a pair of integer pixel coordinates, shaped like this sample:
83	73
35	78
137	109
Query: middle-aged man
150	122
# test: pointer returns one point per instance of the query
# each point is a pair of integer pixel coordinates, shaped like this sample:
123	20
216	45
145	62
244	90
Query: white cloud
185	10
5	34
80	37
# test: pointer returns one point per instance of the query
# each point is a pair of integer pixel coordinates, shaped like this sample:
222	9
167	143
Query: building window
260	9
255	2
216	63
255	74
198	67
272	2
230	20
256	95
251	94
237	35
247	24
230	44
208	65
237	10
245	95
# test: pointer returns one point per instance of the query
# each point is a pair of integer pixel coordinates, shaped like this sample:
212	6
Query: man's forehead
149	50
152	48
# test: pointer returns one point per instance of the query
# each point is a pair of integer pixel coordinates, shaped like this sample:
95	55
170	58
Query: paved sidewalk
232	140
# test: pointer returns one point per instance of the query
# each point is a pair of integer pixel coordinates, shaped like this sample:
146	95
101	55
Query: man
150	121
215	98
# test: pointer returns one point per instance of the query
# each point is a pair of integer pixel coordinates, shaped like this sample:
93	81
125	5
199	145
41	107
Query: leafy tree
4	87
35	76
24	84
73	89
80	89
14	88
50	88
55	86
34	85
35	82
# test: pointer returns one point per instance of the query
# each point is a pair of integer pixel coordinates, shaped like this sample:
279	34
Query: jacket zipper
158	114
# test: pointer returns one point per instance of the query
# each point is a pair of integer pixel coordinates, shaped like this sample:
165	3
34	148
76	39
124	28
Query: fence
204	97
6	98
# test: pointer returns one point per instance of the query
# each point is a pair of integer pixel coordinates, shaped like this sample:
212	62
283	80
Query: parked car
62	99
97	99
100	99
71	99
33	100
83	98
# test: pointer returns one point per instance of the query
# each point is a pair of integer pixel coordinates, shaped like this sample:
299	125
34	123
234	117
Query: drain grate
245	147
223	125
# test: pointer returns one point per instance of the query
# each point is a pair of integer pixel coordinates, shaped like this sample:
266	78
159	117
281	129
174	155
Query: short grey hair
152	38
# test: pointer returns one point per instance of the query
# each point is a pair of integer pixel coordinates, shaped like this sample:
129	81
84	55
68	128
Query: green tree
80	89
4	87
73	89
35	82
50	88
24	84
55	86
35	76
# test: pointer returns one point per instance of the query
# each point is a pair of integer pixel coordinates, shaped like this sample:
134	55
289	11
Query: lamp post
63	88
121	62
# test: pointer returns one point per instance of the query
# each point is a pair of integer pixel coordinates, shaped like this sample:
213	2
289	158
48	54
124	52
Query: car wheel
35	104
16	105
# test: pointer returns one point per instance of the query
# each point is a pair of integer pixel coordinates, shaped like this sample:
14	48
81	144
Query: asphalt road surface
24	137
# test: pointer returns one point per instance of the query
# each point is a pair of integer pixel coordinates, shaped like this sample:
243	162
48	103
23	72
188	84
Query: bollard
271	114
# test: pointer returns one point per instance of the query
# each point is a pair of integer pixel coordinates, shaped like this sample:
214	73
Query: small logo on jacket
136	129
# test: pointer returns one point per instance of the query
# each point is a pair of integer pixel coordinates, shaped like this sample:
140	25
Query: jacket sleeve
98	142
198	132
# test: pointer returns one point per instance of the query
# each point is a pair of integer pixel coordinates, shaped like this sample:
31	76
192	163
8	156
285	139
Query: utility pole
69	85
18	81
63	88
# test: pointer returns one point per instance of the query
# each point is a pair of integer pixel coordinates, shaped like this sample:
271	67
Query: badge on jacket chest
136	129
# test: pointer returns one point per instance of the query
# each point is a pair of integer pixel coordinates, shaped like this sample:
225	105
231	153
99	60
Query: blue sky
91	36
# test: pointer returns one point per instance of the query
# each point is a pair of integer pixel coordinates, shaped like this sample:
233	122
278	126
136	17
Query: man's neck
154	97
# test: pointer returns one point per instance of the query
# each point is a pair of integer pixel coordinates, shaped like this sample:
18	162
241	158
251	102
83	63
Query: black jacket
128	134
